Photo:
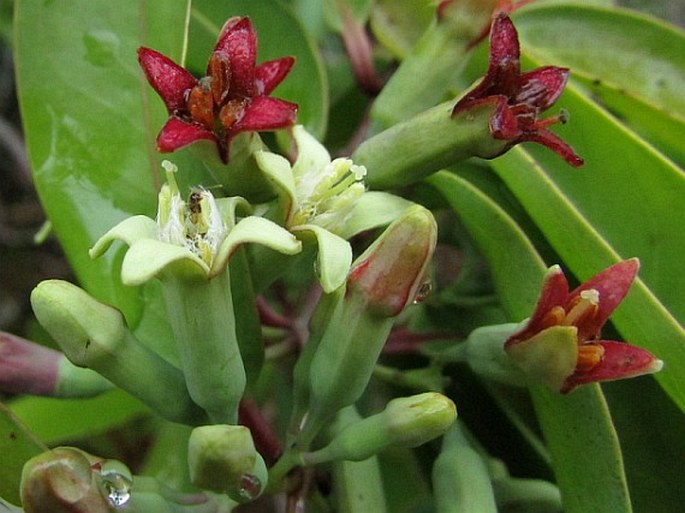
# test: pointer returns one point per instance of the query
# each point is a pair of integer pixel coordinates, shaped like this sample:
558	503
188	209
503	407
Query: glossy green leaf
661	128
516	267
576	427
56	421
632	51
88	126
398	24
17	446
280	34
625	202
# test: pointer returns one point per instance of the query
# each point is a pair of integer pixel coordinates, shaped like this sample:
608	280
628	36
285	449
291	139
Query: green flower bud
405	422
223	458
390	273
384	279
94	335
62	481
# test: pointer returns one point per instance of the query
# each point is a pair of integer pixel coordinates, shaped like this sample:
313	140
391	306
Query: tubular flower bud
405	422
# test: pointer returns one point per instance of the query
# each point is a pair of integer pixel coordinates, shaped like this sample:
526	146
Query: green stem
438	58
426	143
202	318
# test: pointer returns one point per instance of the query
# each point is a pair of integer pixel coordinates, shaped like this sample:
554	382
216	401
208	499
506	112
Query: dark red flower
519	98
579	315
233	97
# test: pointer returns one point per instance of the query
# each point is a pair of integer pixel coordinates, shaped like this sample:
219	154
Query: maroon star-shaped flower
233	97
519	98
583	311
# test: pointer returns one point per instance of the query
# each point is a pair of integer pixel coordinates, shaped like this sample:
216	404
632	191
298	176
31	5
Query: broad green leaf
517	272
88	125
17	446
625	202
516	267
631	51
651	429
398	24
662	128
280	34
55	421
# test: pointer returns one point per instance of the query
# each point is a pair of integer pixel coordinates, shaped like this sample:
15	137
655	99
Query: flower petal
542	87
620	361
238	41
129	231
148	258
612	284
271	73
266	113
177	133
170	80
554	143
554	293
334	257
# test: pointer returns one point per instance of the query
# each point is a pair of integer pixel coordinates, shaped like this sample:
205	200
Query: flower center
195	225
326	197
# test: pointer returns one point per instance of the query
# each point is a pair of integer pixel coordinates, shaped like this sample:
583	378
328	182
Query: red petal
503	123
620	361
612	284
271	73
542	87
266	113
554	143
170	80
177	133
238	41
554	293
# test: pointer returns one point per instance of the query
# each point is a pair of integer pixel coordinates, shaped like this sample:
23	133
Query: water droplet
117	487
423	292
250	487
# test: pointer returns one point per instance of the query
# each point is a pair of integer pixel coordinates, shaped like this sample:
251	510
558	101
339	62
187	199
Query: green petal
333	259
255	229
130	230
147	258
549	357
310	153
277	169
374	209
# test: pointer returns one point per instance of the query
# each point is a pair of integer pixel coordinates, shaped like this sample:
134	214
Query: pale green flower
327	200
193	237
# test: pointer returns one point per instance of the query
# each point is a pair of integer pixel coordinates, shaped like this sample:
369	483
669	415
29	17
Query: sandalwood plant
350	256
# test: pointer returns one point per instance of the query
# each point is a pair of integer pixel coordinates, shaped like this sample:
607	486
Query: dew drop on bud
116	486
250	487
423	292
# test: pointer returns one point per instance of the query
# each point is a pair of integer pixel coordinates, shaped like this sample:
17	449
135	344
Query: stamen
553	317
583	308
589	355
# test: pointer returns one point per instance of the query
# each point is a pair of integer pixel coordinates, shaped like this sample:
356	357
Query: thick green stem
426	143
202	318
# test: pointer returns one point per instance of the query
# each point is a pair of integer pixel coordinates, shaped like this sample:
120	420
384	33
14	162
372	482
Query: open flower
191	238
326	200
232	98
560	342
519	98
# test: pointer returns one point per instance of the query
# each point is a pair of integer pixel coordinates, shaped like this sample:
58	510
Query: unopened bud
405	422
223	458
61	481
391	272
